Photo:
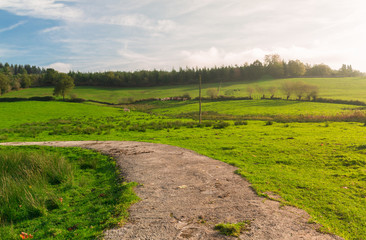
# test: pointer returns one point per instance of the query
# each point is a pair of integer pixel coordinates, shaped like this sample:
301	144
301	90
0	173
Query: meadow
336	88
318	166
253	108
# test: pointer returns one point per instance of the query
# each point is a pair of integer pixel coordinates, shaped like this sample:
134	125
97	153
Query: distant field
253	107
337	88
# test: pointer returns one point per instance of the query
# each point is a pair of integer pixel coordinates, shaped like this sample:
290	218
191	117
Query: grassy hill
336	88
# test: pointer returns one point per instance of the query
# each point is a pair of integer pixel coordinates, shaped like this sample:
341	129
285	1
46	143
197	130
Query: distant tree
261	91
295	68
255	70
25	80
63	85
311	92
212	93
319	70
250	91
287	89
274	65
272	90
15	83
50	77
4	84
300	88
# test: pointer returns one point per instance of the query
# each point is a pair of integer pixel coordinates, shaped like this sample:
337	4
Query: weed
233	229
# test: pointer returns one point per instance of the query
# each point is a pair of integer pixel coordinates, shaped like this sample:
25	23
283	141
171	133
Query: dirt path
183	195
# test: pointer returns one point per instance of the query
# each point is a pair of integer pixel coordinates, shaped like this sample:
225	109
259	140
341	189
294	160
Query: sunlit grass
336	88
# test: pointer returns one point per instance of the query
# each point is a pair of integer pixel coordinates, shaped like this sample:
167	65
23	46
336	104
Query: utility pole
219	88
200	111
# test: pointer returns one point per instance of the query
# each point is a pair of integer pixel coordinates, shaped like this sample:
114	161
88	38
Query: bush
220	125
212	93
46	98
186	95
268	123
240	122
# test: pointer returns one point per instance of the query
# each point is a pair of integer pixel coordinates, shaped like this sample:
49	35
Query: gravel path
184	194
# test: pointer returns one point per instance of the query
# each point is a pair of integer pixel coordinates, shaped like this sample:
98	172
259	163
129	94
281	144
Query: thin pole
200	111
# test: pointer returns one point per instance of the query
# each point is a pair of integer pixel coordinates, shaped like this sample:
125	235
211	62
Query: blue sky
95	35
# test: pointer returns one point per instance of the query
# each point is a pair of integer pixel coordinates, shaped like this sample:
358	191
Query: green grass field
316	166
336	88
253	108
22	112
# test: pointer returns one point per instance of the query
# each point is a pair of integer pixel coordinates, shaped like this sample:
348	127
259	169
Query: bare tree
261	90
300	88
250	90
312	92
287	89
272	90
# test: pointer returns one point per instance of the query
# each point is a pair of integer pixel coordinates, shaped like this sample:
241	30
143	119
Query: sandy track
184	194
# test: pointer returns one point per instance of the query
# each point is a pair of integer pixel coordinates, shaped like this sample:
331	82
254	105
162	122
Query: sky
129	35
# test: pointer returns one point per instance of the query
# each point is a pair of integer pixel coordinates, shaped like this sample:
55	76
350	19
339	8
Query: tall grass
25	180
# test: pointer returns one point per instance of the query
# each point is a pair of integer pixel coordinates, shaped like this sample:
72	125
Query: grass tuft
233	229
62	193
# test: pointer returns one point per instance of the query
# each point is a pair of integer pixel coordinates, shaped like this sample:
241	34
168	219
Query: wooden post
200	99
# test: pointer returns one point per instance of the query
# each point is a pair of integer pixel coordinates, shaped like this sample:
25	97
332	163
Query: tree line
272	67
14	77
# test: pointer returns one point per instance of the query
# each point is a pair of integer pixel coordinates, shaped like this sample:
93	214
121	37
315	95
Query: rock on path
184	194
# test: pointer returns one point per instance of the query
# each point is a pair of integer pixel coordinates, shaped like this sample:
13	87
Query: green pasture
336	88
319	167
252	107
33	111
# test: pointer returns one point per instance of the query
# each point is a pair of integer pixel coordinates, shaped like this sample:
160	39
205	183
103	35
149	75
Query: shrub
186	95
268	123
220	125
212	93
241	122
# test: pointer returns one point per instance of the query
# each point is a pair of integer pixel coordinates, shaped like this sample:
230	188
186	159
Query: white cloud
47	9
61	67
52	29
12	26
138	21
